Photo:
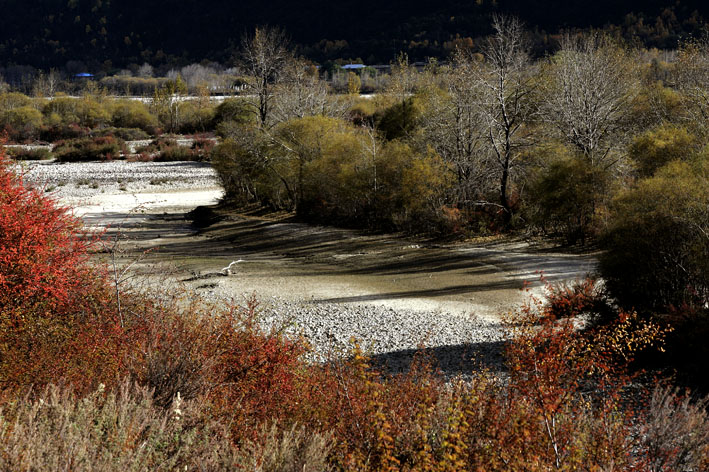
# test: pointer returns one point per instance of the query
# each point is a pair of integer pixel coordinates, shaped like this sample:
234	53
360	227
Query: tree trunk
504	200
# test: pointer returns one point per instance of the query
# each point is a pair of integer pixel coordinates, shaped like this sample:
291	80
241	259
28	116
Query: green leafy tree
241	166
657	147
657	241
133	114
565	198
300	142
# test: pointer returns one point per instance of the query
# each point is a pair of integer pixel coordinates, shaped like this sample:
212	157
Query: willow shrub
326	169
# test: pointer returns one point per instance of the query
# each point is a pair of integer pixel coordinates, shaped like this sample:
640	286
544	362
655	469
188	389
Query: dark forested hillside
104	34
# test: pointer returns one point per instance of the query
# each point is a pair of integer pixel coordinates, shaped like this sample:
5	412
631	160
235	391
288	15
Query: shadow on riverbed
332	265
440	292
451	361
348	252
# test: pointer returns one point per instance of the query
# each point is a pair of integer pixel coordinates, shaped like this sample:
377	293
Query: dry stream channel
393	294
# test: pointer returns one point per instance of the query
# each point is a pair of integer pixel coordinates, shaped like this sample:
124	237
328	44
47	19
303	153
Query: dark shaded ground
287	259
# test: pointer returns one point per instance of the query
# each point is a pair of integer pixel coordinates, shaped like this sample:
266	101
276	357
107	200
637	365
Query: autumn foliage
184	384
47	287
41	258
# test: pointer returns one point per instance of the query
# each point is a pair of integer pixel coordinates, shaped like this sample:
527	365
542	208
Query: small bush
134	114
232	110
566	198
84	111
126	134
675	432
291	449
657	250
157	145
195	117
88	149
22	154
363	111
581	297
59	132
42	257
400	119
167	150
203	145
178	153
240	171
48	292
21	123
659	146
13	100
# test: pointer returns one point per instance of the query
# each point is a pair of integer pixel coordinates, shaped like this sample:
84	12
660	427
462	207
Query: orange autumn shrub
42	258
48	291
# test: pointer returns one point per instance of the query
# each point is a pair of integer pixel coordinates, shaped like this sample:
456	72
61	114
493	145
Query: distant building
354	66
83	75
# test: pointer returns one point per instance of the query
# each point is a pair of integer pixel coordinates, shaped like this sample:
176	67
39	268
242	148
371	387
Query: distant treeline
99	35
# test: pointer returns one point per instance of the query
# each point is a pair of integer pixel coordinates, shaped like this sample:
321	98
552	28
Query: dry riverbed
328	284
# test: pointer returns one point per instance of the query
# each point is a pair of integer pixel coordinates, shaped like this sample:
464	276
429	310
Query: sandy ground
293	261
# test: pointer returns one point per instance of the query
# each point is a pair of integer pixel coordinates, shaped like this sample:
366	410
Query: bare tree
504	104
196	75
264	55
693	80
45	85
299	93
590	84
455	128
145	71
402	83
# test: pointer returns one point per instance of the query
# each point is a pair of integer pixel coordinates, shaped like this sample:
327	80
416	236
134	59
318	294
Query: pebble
85	179
459	345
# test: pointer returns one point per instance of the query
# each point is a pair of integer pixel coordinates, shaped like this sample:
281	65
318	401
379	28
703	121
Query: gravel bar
459	345
85	179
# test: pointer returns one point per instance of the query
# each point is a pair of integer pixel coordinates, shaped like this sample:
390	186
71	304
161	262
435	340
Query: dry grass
126	431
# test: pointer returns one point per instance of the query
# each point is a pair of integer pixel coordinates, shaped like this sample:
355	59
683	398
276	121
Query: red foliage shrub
253	375
50	297
566	403
42	254
577	298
